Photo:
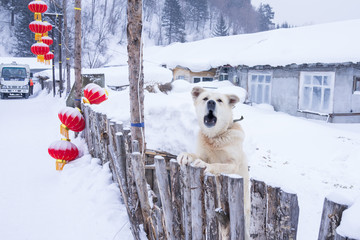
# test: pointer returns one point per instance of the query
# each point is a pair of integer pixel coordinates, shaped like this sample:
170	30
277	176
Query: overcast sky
307	12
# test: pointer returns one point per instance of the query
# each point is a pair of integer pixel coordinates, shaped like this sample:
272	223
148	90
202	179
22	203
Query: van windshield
12	73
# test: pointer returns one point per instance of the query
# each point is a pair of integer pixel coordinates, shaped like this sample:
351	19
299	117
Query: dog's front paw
185	158
200	164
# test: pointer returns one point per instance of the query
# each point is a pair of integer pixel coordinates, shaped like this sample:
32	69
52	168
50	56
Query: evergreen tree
24	37
173	21
266	15
221	29
197	12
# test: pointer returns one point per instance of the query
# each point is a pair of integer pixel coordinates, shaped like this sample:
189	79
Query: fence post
197	200
330	219
142	190
236	207
222	213
163	183
176	197
289	209
210	198
185	186
258	210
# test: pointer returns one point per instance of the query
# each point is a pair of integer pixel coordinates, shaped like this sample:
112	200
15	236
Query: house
311	72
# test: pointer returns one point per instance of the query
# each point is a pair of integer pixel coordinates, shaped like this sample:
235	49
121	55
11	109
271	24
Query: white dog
219	143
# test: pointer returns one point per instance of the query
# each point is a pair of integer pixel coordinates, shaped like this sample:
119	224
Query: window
356	86
316	91
224	75
202	79
9	73
260	88
180	77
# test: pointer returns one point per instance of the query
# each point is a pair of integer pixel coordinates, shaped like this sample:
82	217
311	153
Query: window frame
312	85
201	79
356	85
251	84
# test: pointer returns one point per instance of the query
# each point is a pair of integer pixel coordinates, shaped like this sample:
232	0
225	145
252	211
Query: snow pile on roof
325	43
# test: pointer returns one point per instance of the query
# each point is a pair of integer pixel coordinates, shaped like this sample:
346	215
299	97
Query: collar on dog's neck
238	120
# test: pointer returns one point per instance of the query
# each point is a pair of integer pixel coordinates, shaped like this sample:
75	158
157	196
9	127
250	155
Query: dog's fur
219	143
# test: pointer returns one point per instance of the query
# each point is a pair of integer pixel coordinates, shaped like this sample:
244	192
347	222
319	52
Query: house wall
285	89
188	75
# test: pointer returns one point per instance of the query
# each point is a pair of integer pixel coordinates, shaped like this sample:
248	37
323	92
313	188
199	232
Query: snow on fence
181	202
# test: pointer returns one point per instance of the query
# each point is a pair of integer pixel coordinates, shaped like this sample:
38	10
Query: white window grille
317	91
260	88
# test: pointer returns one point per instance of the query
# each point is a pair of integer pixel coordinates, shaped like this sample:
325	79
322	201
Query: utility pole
136	75
78	81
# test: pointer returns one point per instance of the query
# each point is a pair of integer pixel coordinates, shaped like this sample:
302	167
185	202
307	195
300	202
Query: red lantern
38	28
63	151
47	40
72	119
40	49
48	26
94	94
48	57
37	7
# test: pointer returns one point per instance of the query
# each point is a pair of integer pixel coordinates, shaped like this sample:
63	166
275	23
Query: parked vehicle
14	80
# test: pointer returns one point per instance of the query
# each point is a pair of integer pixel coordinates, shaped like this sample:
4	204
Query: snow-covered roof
324	43
31	61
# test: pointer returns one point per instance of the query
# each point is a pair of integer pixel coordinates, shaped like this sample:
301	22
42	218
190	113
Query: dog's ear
233	99
196	91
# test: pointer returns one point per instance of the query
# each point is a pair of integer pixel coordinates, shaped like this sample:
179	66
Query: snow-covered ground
36	201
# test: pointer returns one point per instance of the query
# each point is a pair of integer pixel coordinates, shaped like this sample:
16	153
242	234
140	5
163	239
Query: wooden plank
104	138
273	211
186	193
330	219
197	203
176	198
289	210
258	210
159	219
236	207
222	213
142	190
210	198
163	183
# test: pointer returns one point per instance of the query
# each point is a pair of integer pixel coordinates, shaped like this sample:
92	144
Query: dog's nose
211	105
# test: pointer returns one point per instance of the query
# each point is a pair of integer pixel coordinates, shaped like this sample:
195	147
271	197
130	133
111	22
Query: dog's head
214	110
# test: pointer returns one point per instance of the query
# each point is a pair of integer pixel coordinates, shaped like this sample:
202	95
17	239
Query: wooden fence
181	202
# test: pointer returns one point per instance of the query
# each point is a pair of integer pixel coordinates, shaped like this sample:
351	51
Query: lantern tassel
37	16
64	131
60	164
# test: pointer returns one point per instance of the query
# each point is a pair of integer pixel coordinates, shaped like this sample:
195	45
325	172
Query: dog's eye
205	99
219	100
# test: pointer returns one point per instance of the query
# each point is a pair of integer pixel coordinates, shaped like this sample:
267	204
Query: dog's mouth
210	119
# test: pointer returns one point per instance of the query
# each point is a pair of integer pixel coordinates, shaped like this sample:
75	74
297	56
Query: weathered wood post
236	206
197	203
164	189
142	190
258	210
222	213
176	198
330	219
185	186
210	195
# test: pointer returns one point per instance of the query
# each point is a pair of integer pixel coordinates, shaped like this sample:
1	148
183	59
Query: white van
14	80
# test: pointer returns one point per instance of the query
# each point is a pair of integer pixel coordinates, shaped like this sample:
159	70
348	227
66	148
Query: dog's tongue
210	119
